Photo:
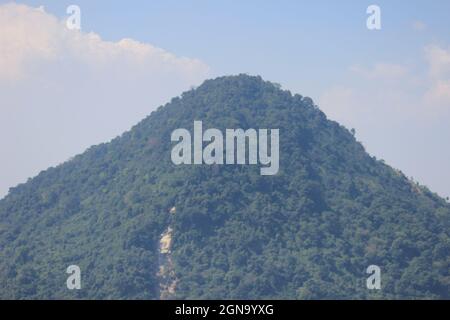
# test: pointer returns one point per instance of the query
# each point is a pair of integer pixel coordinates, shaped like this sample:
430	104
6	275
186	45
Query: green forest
308	232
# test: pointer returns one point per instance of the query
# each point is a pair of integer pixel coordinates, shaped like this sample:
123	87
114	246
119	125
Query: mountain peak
309	231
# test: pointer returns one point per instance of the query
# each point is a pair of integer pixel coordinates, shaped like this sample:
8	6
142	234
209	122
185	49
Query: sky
63	90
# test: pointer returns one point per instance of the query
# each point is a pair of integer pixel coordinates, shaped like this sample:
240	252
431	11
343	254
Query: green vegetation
308	232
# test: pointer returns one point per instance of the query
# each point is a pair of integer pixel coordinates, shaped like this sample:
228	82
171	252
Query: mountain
141	227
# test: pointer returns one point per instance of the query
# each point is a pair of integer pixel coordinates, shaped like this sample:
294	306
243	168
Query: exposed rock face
166	273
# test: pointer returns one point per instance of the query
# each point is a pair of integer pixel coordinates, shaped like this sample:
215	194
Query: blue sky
277	39
385	83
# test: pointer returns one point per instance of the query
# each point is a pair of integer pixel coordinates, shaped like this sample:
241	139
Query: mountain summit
140	227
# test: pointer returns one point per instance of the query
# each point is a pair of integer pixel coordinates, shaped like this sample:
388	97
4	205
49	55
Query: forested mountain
308	232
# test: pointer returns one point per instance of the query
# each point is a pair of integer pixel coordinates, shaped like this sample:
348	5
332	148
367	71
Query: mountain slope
308	232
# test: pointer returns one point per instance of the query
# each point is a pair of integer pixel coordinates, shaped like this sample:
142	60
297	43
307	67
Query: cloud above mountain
63	90
422	89
32	38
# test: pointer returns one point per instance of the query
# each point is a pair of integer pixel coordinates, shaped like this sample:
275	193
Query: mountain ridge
308	232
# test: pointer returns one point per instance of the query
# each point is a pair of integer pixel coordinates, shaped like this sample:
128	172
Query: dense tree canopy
308	232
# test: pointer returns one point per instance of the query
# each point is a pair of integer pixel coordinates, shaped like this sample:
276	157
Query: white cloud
402	91
31	35
63	90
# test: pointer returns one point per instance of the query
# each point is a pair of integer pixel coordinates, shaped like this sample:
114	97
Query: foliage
309	232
